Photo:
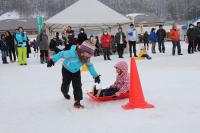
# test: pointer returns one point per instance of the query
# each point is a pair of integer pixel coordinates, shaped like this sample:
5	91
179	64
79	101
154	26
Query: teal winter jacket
72	62
21	39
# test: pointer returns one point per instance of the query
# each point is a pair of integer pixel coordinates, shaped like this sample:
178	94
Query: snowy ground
31	101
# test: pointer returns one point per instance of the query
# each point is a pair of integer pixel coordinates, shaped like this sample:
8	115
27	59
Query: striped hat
88	47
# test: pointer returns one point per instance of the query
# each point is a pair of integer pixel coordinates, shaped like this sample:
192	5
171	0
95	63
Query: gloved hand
50	63
97	79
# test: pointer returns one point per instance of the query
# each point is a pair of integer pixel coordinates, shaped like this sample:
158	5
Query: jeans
161	46
132	48
176	44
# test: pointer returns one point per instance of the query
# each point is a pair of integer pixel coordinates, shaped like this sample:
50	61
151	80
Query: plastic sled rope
139	58
108	98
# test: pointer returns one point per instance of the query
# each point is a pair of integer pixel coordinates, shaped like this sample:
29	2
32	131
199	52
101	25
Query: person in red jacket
175	37
106	39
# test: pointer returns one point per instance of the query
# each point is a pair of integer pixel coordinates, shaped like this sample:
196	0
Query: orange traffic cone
136	97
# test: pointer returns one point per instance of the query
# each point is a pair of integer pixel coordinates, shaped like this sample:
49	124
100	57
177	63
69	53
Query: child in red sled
121	85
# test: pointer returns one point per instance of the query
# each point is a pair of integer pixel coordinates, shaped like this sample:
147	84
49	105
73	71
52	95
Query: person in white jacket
132	38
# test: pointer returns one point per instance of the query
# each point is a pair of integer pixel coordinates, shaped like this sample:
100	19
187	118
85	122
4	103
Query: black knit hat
191	25
131	24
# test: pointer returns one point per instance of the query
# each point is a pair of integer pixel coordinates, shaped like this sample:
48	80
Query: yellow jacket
142	52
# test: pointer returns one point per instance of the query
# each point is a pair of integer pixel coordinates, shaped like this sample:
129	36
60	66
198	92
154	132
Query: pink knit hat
88	47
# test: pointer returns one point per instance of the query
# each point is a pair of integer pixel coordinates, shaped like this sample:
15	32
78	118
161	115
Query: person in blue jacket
153	38
22	39
73	61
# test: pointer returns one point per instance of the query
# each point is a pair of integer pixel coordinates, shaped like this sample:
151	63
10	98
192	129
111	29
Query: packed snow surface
31	101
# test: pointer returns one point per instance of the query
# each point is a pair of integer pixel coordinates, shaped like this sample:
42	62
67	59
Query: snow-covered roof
134	14
87	13
10	15
142	18
12	24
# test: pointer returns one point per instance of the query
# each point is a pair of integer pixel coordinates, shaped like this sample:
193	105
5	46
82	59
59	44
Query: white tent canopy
86	13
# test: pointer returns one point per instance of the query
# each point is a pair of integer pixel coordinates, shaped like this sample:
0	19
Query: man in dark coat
120	40
191	39
161	33
197	40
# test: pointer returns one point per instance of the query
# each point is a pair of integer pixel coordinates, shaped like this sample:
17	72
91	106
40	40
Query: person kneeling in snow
121	85
143	53
73	60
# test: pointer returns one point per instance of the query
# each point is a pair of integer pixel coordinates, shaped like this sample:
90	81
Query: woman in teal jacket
73	60
21	38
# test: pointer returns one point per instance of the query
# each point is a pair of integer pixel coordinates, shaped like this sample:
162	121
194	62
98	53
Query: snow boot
46	59
67	96
42	60
94	90
78	105
148	57
4	61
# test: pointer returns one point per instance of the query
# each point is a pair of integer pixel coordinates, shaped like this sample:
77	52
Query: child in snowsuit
143	53
121	85
73	60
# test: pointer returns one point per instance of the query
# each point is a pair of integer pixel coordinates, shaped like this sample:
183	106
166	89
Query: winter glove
50	63
97	79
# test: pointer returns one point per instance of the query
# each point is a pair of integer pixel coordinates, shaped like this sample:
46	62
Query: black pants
146	56
146	45
28	48
197	44
96	52
176	44
191	46
132	48
67	77
36	49
44	55
106	53
161	46
12	53
108	92
120	50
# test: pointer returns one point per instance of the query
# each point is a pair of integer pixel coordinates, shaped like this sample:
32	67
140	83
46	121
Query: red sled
108	98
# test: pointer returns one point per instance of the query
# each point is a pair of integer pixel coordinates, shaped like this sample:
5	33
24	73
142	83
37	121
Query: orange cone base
140	106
